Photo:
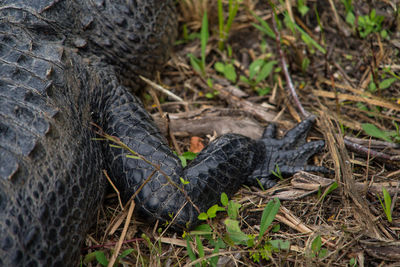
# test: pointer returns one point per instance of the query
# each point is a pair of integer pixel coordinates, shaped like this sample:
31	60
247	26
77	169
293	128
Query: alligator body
65	64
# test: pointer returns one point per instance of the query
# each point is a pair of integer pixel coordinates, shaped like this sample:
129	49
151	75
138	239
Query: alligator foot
287	155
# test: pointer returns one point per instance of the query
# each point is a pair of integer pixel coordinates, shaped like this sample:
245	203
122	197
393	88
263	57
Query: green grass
386	204
225	26
200	64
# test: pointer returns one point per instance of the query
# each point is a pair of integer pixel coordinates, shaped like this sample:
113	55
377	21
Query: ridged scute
51	183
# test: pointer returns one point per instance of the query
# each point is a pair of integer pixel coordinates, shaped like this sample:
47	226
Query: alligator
65	65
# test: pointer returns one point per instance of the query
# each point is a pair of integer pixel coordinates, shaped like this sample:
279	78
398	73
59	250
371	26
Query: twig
123	234
166	119
365	151
374	143
115	189
285	70
112	244
122	216
161	89
287	217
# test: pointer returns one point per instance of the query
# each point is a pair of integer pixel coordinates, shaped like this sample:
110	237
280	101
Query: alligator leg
223	166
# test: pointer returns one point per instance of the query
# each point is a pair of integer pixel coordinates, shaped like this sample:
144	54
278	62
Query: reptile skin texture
67	64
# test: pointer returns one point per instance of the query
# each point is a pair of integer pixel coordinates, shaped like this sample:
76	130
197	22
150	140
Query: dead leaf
196	144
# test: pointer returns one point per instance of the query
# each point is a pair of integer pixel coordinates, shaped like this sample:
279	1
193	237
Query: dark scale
60	66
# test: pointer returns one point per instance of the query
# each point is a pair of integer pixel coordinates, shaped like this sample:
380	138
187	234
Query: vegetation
343	60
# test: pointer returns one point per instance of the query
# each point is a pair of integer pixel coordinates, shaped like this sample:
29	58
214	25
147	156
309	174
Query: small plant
263	27
101	258
227	69
350	17
332	187
310	42
185	156
353	262
224	28
370	23
317	251
385	83
266	29
386	204
302	7
374	131
200	64
260	246
277	173
366	24
187	36
259	70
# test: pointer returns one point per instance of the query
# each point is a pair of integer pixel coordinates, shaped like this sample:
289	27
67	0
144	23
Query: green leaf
90	257
230	72
316	244
219	242
132	156
233	209
191	254
202	229
372	87
374	131
224	199
264	28
214	260
322	253
101	258
125	253
183	181
189	155
196	63
307	38
350	18
280	244
200	247
210	82
387	83
302	8
237	236
219	66
203	216
265	71
268	215
388	204
263	92
276	228
210	95
204	39
183	161
212	211
255	67
244	79
332	187
305	63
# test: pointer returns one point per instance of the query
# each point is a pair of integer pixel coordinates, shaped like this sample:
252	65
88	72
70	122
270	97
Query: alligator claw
287	155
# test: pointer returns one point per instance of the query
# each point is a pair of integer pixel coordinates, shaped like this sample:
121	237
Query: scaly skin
65	64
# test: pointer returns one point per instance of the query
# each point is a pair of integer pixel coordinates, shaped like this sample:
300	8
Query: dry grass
335	86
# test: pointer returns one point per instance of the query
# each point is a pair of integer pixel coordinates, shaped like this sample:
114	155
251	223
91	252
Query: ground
342	66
